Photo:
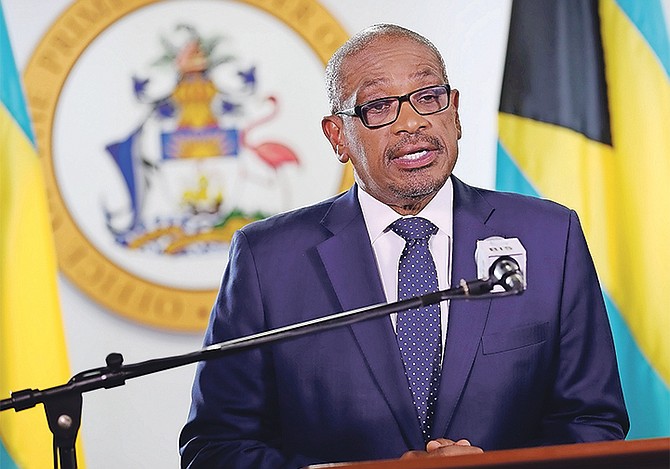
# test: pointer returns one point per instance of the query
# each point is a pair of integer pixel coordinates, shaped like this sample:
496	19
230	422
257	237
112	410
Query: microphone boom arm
63	403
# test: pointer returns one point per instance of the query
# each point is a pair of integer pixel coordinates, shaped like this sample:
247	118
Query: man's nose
409	120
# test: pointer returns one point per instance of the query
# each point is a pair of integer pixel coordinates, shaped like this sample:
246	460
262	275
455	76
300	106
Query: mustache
414	140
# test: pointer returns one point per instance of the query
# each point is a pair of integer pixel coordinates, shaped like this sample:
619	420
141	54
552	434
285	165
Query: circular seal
166	126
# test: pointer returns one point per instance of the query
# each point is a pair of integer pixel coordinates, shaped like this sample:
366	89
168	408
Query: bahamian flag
585	120
32	344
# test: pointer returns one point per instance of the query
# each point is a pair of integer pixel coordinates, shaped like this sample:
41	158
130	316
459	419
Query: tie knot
413	228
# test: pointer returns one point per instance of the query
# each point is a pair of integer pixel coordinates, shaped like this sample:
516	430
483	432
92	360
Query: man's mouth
415	159
415	156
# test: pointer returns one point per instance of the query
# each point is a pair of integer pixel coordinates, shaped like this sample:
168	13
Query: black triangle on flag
554	69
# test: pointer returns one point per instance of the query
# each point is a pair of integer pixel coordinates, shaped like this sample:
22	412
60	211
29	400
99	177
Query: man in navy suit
528	370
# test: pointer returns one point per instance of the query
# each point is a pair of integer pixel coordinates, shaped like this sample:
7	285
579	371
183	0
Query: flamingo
273	154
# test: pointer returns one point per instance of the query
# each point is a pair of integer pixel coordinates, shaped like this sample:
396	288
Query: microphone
504	272
501	262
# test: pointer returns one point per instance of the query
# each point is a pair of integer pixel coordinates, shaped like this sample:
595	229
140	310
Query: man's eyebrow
421	73
380	81
426	72
373	82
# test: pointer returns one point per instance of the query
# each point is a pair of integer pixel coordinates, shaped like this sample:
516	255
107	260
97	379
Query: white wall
137	425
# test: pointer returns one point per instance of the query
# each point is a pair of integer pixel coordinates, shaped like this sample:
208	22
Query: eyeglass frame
356	110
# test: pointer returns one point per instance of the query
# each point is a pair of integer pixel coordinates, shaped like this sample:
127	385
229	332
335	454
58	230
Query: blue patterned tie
418	329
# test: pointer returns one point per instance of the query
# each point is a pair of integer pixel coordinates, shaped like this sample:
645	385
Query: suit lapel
352	269
466	317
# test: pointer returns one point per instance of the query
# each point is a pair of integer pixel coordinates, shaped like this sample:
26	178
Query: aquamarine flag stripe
11	94
641	383
6	462
644	15
509	177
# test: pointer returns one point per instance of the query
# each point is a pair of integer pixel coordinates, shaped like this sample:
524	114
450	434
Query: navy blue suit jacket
533	369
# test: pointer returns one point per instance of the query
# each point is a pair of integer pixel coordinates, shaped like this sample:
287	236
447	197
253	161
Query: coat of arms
190	163
165	126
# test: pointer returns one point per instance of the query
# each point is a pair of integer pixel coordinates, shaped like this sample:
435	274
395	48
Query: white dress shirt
388	246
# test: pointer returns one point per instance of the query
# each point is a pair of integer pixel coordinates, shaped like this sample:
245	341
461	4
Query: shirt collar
378	216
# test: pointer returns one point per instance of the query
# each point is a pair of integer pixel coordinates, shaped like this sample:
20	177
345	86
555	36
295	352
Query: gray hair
334	73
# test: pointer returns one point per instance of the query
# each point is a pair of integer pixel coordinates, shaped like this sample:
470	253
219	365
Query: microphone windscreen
493	248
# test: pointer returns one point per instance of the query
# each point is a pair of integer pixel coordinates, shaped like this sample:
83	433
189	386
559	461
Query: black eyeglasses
384	111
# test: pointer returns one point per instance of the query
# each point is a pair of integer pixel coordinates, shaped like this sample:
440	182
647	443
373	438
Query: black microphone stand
63	403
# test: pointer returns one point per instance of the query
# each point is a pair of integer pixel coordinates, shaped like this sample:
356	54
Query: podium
634	454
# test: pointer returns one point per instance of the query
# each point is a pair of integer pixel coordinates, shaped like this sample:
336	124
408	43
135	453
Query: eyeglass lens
386	110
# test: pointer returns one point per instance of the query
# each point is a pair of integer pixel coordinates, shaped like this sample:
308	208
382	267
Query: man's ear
332	129
454	102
